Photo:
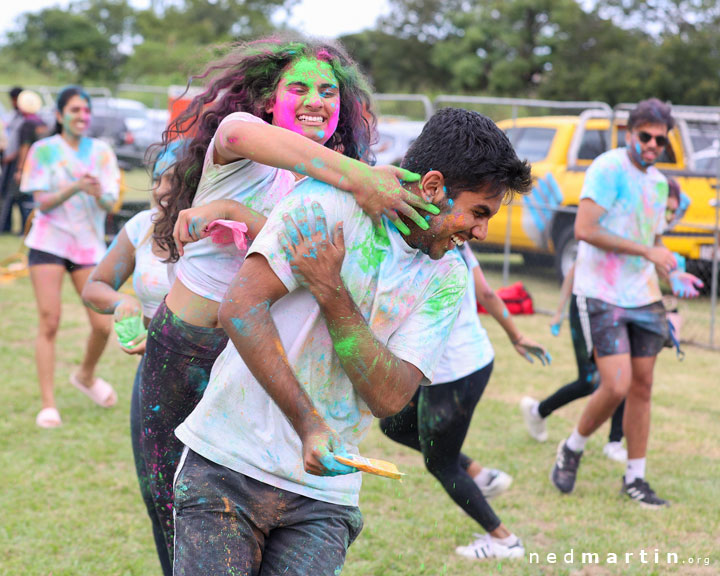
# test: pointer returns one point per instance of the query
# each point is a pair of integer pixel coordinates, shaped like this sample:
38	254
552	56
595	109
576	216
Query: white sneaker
486	547
498	481
535	423
615	451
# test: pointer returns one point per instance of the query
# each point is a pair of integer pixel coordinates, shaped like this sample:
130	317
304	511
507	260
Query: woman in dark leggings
134	255
535	412
436	420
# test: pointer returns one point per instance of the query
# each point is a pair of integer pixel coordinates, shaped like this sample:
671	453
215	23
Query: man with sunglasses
619	222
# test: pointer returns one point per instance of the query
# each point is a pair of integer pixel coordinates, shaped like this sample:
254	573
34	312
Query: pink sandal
100	392
48	418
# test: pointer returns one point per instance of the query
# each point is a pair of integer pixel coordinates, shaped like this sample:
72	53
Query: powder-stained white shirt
635	202
468	348
150	278
207	268
410	303
74	229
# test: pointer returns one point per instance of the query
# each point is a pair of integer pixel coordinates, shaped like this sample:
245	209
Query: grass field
70	502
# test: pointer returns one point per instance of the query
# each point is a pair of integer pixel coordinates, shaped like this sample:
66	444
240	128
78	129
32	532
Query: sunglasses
645	137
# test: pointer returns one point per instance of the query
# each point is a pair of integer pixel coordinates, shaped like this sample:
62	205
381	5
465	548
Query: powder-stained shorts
230	524
38	257
609	329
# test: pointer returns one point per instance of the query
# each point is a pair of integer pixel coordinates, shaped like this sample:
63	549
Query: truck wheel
565	250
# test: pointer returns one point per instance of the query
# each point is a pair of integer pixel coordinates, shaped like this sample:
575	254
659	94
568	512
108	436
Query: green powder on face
306	69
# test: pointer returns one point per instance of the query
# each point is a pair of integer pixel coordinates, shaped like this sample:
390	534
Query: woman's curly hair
245	81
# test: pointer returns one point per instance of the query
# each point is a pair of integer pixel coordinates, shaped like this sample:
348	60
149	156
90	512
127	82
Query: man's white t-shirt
635	203
206	268
468	348
409	302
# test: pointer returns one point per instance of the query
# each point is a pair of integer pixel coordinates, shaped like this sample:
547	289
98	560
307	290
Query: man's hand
685	285
379	192
315	258
663	259
319	446
528	348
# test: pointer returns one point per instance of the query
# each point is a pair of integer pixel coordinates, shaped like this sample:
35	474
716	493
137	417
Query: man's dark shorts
230	524
609	329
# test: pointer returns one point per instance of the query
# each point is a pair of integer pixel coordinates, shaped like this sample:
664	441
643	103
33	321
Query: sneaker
534	422
639	491
565	470
615	451
498	481
485	547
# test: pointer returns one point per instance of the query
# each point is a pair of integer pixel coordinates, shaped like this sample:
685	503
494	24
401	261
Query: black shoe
639	491
565	470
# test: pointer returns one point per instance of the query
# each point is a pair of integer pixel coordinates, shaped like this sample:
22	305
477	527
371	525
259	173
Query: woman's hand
556	323
89	184
134	348
192	223
379	192
315	258
528	348
127	307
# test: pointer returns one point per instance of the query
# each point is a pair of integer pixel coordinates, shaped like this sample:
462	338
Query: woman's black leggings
587	380
435	422
176	370
143	474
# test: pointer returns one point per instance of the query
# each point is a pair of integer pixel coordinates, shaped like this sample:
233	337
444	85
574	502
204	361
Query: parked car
114	131
135	116
157	121
706	161
394	138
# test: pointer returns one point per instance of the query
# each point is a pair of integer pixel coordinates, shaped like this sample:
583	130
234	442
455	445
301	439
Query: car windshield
531	144
707	162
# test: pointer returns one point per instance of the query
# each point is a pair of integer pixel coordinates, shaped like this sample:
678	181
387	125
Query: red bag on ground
516	298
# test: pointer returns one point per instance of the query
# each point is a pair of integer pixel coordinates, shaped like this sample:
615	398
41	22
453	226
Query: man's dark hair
651	111
15	92
471	152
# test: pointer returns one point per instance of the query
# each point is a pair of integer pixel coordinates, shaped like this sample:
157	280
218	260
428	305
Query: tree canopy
612	50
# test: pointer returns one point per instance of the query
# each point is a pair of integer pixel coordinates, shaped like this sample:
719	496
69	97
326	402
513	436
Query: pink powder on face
333	121
284	112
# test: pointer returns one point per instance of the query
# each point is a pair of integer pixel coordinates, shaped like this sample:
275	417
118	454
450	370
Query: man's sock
577	441
635	469
535	410
483	477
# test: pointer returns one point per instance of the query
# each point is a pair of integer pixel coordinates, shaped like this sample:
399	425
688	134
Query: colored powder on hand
130	331
227	231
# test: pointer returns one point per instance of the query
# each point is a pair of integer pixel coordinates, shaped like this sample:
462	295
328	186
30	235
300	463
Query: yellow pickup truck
560	148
